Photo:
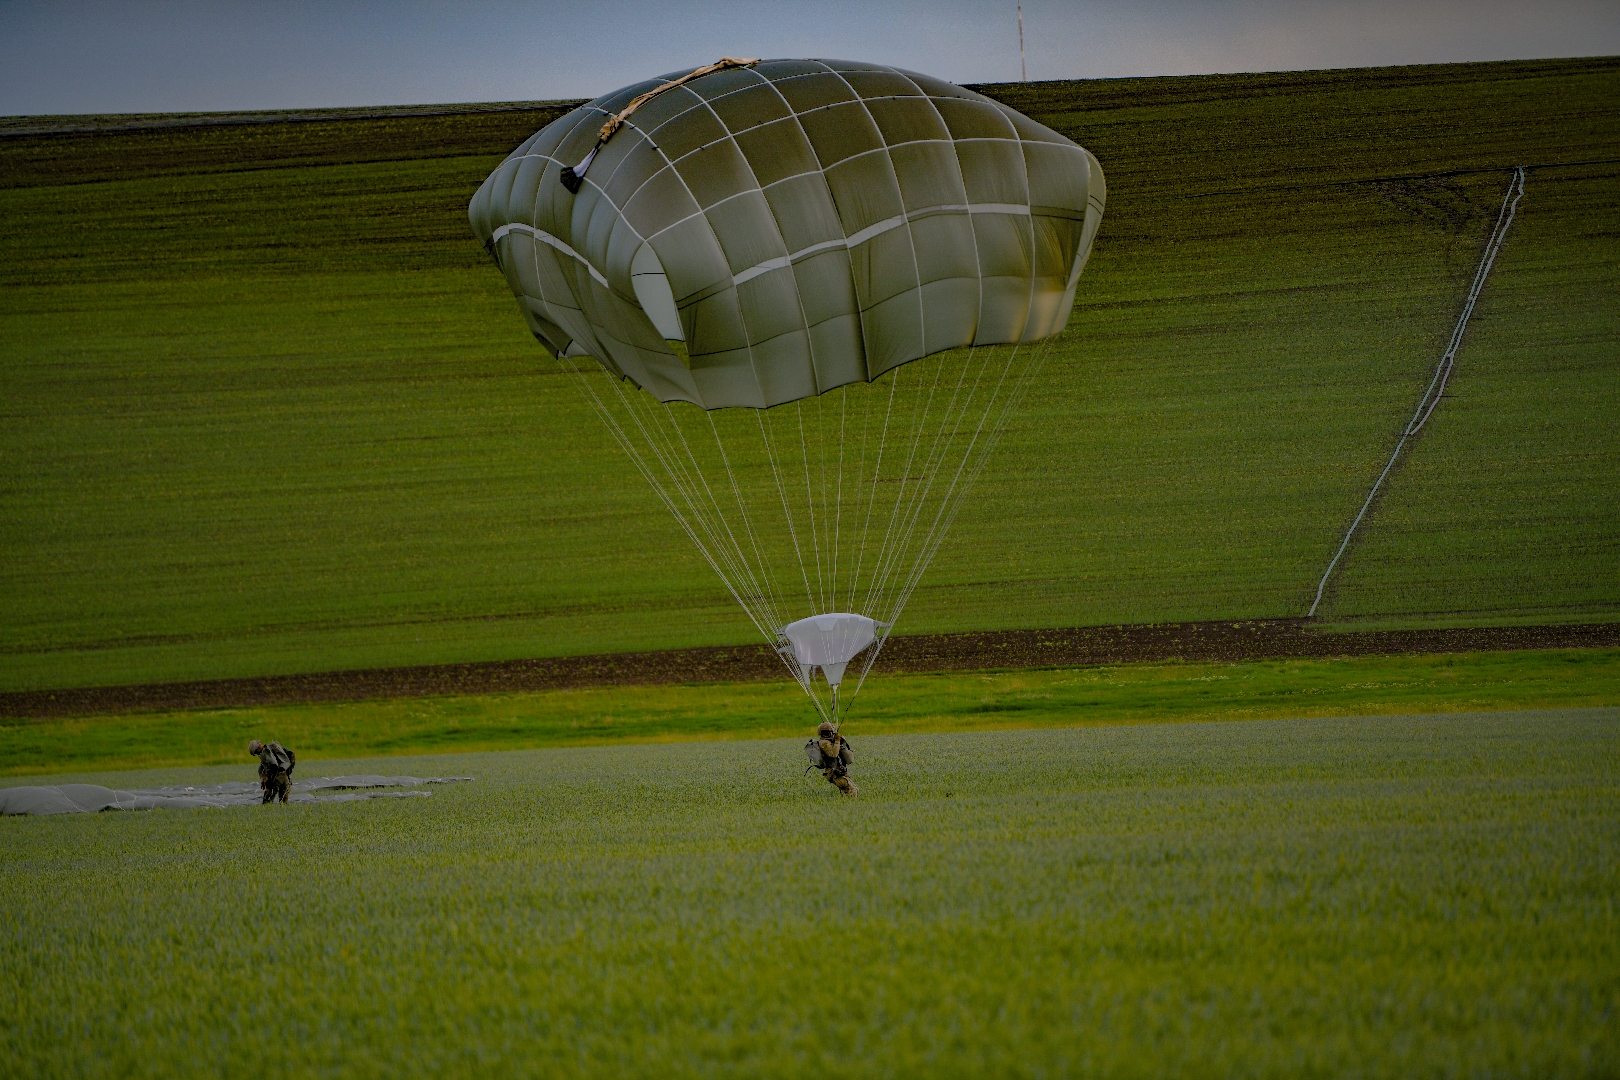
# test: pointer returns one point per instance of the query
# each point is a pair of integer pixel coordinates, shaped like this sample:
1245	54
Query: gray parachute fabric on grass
766	233
91	798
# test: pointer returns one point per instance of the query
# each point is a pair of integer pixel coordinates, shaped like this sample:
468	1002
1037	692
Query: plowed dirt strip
1208	641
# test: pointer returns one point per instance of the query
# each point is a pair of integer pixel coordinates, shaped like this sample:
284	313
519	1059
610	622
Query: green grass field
1041	698
1378	897
267	408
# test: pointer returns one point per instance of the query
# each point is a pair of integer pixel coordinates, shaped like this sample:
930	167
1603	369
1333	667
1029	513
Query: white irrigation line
1437	385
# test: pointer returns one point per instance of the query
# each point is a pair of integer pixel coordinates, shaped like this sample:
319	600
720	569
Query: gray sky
83	56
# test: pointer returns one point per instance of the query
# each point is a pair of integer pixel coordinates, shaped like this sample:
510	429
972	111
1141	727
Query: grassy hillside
1391	897
268	408
1503	510
1507	509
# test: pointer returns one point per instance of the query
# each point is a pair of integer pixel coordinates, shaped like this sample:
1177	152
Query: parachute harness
573	178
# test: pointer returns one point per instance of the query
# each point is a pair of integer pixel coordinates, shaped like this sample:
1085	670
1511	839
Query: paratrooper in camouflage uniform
276	764
831	753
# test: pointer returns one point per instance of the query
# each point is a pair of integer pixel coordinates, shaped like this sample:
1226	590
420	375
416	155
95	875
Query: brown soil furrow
1218	641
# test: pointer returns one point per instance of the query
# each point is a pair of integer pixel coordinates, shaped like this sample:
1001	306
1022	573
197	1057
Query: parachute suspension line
901	481
909	501
805	676
700	522
628	445
860	486
736	556
741	559
877	470
706	511
781	489
919	415
890	553
950	428
932	465
725	560
828	508
957	419
631	450
954	497
878	574
729	559
951	507
821	472
838	497
990	425
721	558
767	571
810	506
866	527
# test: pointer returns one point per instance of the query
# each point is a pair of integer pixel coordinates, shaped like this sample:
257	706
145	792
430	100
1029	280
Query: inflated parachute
805	296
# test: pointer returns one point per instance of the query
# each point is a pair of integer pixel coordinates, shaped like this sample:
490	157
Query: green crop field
1392	897
267	407
1050	697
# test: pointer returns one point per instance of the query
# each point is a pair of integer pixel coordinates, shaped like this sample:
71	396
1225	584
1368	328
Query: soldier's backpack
812	750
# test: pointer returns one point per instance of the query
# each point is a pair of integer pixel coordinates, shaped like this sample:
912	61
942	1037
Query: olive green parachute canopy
769	231
805	297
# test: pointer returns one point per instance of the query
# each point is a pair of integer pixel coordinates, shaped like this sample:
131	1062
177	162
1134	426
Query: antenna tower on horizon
1023	72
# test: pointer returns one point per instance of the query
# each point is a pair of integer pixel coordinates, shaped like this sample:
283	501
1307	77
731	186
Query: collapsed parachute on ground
766	241
92	798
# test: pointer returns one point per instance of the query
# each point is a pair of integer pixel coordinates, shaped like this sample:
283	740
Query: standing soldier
276	764
830	752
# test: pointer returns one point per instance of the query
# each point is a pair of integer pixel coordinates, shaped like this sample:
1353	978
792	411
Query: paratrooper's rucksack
818	760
